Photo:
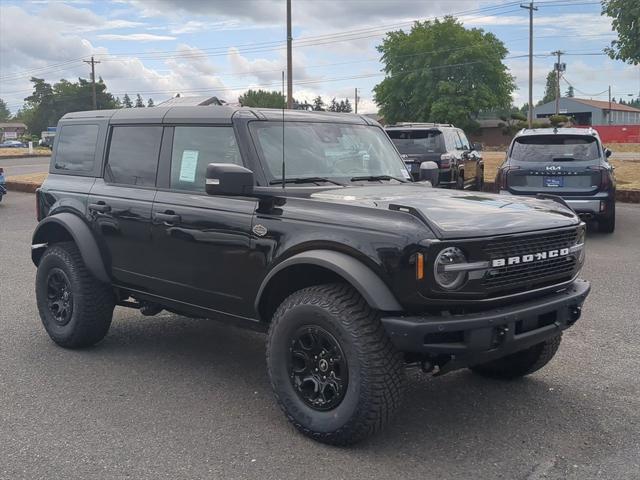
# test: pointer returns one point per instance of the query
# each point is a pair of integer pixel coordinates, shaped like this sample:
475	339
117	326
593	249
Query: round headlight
449	278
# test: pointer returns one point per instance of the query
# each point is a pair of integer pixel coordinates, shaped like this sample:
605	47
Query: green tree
150	103
139	102
5	114
262	99
558	120
569	93
47	103
334	106
318	104
513	122
442	72
625	16
549	88
126	101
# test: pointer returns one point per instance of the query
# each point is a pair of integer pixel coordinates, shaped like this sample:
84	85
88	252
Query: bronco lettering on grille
533	257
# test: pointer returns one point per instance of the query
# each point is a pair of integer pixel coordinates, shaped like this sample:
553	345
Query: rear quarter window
76	149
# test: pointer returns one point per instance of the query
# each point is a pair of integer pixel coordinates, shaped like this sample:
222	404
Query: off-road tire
375	369
92	301
479	186
607	223
520	363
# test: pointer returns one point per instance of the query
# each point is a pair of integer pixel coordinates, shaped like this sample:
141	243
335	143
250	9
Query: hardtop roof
211	114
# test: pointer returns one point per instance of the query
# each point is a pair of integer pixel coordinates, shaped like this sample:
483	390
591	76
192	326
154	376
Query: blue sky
199	47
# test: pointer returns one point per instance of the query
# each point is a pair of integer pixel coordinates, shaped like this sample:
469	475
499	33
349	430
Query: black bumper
478	337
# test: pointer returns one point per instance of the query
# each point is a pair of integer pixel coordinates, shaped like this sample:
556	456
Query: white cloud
136	37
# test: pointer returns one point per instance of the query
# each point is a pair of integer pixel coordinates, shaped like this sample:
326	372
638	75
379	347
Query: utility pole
609	113
93	62
356	101
531	8
559	68
289	59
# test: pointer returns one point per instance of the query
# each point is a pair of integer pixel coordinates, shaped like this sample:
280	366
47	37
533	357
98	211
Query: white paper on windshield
188	166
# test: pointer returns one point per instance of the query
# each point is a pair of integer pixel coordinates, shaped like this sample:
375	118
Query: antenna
283	174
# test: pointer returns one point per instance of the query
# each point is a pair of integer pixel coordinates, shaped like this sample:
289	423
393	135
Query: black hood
458	214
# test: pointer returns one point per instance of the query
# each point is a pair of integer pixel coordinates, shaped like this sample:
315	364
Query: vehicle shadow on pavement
457	411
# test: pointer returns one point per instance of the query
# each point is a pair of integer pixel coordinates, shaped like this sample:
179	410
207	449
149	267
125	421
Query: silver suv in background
459	163
570	163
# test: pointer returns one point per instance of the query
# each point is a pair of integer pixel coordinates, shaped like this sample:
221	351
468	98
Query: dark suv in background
458	160
568	162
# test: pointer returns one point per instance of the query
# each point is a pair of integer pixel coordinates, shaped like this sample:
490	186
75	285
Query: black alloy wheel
59	296
317	368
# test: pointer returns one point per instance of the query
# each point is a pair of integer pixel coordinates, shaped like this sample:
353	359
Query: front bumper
474	338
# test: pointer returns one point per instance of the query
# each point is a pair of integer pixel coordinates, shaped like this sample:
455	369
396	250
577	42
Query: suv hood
458	214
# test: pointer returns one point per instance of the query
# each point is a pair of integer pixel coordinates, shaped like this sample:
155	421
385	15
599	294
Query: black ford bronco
308	226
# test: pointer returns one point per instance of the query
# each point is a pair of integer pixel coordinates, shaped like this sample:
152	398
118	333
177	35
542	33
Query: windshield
339	151
417	142
555	148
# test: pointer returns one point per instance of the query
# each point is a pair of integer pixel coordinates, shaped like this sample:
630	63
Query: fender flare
376	293
82	237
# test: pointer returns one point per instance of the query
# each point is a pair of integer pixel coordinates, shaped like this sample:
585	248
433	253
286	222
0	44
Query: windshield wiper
305	180
373	178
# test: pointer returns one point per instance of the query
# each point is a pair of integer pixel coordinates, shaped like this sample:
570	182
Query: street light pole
531	8
289	59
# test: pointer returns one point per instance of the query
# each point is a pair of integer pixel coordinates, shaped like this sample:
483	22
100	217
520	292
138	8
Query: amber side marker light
419	266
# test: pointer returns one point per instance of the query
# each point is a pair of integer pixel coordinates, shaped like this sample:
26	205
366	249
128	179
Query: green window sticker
188	166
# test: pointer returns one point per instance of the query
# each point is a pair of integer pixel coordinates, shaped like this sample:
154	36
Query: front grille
537	273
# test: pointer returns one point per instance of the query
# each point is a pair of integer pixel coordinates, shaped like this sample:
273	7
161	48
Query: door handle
99	207
167	218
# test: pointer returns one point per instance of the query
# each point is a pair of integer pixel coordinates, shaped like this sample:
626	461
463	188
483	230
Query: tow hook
574	314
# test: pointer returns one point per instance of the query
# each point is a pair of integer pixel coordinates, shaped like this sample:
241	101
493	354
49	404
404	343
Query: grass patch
23	152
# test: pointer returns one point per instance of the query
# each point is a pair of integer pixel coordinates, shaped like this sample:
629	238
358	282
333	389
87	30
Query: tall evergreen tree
318	104
569	93
150	103
5	114
126	101
139	102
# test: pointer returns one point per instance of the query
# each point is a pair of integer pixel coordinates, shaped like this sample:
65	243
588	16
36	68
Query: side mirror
477	146
607	152
228	179
430	172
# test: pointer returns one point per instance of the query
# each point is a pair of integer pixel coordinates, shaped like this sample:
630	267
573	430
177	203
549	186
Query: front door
120	204
469	160
202	243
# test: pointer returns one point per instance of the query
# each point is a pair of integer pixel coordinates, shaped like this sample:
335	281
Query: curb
624	196
28	187
29	155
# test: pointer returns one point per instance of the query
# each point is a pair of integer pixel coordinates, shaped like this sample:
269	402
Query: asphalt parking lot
171	397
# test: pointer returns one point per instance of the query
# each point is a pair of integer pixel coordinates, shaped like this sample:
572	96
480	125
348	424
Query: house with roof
591	112
11	130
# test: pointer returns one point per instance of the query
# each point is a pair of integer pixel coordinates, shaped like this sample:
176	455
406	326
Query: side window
133	155
76	149
196	147
464	141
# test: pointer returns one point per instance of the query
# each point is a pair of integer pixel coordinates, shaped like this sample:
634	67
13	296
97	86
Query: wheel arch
69	227
322	266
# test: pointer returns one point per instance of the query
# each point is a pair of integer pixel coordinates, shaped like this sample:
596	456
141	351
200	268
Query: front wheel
333	369
520	363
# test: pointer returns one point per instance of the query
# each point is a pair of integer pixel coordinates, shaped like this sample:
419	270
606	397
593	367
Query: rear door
120	203
554	163
469	159
201	244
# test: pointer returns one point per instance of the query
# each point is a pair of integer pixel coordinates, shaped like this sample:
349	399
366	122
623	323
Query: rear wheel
75	308
607	223
333	370
480	180
520	363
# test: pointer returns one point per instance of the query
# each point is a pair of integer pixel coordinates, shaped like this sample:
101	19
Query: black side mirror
607	152
477	146
430	172
229	179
